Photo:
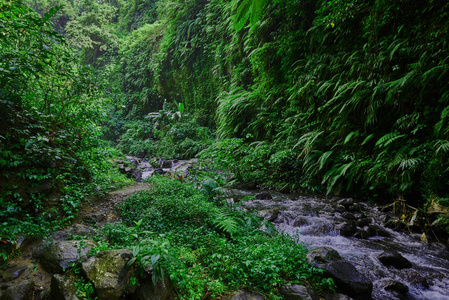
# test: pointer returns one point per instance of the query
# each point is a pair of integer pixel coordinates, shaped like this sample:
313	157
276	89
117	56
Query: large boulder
323	256
109	273
21	291
349	280
394	259
61	255
62	288
13	273
297	292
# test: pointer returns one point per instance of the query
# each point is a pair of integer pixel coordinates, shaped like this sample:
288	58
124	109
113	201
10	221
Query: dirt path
102	210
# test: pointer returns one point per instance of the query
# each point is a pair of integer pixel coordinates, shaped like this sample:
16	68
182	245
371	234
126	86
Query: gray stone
346	202
398	289
269	214
348	228
323	255
394	259
363	222
414	277
263	196
340	208
13	273
166	164
361	234
349	280
348	215
300	221
109	273
297	292
243	295
62	288
20	291
60	255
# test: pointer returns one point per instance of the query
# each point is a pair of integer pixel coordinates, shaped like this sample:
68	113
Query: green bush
218	249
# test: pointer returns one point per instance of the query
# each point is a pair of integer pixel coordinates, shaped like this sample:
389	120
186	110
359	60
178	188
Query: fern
225	220
388	139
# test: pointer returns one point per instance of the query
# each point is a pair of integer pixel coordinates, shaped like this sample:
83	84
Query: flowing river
317	222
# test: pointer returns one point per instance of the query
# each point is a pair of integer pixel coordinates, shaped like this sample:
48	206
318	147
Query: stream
315	221
318	222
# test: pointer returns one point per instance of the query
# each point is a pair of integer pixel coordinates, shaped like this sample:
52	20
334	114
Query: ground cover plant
206	246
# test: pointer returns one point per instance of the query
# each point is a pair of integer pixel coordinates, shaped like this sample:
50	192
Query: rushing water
315	222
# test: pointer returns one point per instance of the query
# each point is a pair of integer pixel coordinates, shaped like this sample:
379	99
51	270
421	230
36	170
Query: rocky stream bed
354	242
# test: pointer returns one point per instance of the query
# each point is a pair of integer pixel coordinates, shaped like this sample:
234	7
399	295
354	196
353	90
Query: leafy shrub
215	248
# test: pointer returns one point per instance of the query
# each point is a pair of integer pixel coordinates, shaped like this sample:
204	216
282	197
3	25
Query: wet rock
394	259
166	164
323	255
349	280
269	214
147	290
297	292
357	207
137	175
415	278
298	222
363	222
62	288
160	171
336	297
60	255
12	273
339	208
348	215
346	202
348	229
263	196
382	232
109	273
398	289
243	295
20	291
361	234
370	230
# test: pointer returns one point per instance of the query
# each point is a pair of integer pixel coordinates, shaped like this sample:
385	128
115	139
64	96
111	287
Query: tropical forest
224	149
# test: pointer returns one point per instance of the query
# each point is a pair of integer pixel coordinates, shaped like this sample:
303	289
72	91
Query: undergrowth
210	248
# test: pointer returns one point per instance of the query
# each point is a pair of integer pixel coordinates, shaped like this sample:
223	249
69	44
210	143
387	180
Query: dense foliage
208	247
339	97
50	155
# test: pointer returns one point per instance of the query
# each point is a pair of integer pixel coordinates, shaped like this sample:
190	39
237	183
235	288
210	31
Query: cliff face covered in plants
330	96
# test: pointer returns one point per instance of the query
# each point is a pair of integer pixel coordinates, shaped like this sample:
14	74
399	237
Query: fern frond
388	139
225	220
